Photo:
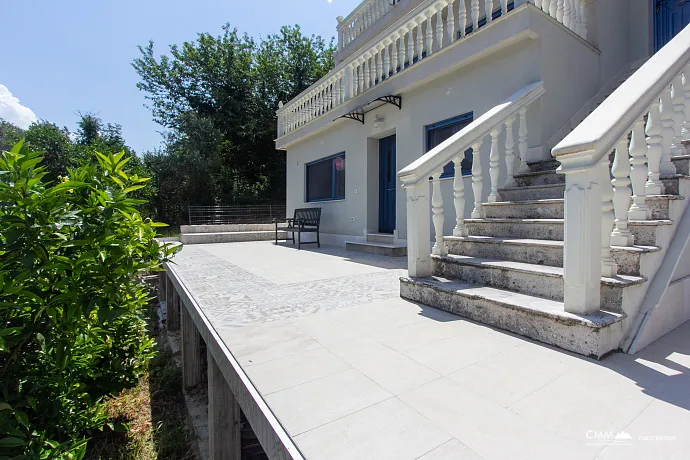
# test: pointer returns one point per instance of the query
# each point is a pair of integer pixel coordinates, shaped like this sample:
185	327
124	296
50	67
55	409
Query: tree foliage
71	304
217	98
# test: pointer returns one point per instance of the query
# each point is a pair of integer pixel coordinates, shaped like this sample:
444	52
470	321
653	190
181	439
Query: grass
154	410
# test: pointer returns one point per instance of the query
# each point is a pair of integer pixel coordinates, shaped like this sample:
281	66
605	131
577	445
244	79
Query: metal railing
238	214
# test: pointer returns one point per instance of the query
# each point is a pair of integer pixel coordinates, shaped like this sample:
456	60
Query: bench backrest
309	216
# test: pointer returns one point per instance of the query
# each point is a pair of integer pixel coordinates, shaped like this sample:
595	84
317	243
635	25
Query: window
442	130
326	179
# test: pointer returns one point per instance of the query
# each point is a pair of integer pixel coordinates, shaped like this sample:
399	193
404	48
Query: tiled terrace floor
354	372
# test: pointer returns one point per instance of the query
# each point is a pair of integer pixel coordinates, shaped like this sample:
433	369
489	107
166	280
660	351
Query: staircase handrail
597	135
422	168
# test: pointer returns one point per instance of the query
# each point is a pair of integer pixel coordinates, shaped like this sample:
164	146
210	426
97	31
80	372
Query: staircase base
381	249
231	237
594	335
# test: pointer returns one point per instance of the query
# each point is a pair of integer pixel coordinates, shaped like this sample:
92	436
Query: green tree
54	144
9	135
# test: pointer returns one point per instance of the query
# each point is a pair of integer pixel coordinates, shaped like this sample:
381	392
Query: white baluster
380	63
489	9
660	132
494	165
373	55
360	76
510	153
367	71
386	61
429	44
638	176
546	5
410	43
420	37
474	14
401	50
338	90
583	18
686	122
522	141
450	23
679	101
566	14
459	197
439	25
575	13
439	248
553	9
462	17
608	266
394	53
621	235
537	3
559	11
477	185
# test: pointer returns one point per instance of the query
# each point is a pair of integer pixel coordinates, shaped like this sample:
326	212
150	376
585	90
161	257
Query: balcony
429	27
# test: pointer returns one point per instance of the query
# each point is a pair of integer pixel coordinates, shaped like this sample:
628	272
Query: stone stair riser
518	210
524	194
231	237
537	231
548	165
384	239
682	165
594	342
399	251
541	285
628	262
548	178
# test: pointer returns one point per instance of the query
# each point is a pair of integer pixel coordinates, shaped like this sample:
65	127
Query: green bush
72	330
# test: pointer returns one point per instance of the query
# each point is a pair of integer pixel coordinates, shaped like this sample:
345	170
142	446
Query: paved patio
352	371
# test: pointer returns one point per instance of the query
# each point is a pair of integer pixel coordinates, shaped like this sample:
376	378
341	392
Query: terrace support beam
224	439
191	351
172	320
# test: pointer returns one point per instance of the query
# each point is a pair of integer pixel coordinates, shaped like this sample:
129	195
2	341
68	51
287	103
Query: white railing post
657	133
638	175
522	141
281	129
510	153
439	248
459	197
477	184
608	266
348	82
418	231
494	166
622	194
582	238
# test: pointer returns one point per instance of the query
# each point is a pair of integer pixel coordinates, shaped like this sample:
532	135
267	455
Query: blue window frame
326	179
442	130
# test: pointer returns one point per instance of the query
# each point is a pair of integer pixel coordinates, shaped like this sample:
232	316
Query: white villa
528	156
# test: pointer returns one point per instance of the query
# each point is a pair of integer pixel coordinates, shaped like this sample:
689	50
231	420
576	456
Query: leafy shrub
71	304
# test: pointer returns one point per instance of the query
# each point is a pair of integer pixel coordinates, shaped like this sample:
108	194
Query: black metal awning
358	114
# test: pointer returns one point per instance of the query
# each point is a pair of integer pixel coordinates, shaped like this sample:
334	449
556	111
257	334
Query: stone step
381	249
539	178
645	231
593	335
533	192
530	279
385	238
224	228
682	163
539	252
672	184
231	237
553	208
546	165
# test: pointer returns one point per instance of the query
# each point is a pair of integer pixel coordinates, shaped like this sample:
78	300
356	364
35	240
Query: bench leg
293	238
299	240
276	234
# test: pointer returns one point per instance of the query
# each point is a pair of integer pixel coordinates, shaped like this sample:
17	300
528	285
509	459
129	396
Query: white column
450	23
494	166
459	197
462	17
418	231
439	248
522	141
477	184
474	14
510	153
608	266
582	239
638	176
489	8
679	102
621	235
656	133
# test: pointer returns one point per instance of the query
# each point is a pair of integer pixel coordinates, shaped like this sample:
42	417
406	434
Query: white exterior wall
573	71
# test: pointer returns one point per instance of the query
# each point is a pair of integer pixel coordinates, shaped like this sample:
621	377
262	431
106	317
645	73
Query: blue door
671	17
387	181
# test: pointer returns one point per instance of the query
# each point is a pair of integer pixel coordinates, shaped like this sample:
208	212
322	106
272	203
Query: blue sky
61	57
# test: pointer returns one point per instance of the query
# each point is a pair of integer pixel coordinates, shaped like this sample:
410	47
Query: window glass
326	179
439	132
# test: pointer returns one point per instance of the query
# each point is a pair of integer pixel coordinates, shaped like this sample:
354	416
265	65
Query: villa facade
440	130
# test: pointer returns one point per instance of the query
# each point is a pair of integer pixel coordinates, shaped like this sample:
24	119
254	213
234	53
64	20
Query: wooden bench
305	220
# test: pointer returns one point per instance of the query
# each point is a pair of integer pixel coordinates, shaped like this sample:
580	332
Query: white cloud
13	111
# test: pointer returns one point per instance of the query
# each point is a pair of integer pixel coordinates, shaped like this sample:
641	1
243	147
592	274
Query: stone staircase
509	272
378	243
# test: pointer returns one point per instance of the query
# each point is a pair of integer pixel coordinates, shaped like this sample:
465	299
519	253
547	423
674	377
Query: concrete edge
273	437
